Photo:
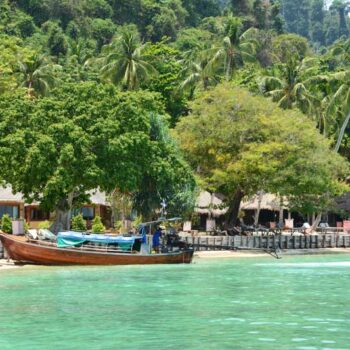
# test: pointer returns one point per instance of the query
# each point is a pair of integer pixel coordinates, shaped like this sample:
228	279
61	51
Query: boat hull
19	249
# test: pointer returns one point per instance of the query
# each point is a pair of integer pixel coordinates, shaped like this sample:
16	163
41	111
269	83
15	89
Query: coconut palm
37	74
339	104
288	86
124	62
232	52
257	45
196	73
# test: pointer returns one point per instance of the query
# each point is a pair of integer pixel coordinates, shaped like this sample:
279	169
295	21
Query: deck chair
32	234
46	235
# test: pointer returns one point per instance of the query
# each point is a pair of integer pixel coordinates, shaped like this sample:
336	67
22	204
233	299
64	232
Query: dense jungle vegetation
77	73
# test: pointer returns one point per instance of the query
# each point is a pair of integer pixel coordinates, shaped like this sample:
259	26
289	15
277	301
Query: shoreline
227	254
235	254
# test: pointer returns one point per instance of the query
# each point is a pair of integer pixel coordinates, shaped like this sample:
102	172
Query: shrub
26	226
118	225
78	223
97	225
44	225
6	224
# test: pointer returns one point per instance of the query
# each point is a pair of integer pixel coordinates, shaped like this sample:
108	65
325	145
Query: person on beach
156	239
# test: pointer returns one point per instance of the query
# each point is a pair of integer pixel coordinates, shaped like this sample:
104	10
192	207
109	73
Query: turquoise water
293	303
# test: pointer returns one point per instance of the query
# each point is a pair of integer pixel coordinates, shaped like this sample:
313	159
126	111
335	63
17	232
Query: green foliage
57	42
45	225
85	136
78	223
124	62
62	122
286	45
97	225
6	224
102	31
237	141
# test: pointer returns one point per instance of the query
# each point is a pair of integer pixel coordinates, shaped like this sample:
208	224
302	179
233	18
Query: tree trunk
228	68
342	132
315	223
233	210
62	214
280	216
257	212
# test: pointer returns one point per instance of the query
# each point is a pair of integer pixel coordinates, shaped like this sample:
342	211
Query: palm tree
196	73
339	103
124	62
288	85
37	74
232	52
257	44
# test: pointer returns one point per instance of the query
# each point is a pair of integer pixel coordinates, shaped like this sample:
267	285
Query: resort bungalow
264	208
11	204
15	207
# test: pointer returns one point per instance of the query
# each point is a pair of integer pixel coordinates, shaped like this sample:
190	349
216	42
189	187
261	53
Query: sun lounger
32	234
46	235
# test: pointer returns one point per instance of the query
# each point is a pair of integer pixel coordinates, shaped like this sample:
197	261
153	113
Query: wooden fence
269	242
262	242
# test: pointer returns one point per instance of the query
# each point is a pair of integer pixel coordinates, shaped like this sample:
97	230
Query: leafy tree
276	19
124	62
317	21
296	15
238	144
173	183
286	45
98	9
15	22
102	31
37	74
165	21
240	7
342	7
10	49
260	12
193	40
165	59
199	9
56	149
57	42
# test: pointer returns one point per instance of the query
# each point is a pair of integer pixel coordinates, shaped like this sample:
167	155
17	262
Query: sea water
257	303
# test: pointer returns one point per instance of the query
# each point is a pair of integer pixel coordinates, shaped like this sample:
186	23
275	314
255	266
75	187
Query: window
87	212
11	210
37	214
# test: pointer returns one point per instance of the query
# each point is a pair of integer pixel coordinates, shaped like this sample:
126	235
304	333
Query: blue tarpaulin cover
71	238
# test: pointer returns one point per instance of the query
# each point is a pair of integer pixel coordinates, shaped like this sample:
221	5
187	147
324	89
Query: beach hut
211	209
15	206
10	203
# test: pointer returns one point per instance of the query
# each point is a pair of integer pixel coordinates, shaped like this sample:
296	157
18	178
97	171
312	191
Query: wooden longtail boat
28	251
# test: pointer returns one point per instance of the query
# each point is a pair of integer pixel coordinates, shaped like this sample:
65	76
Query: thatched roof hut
343	202
211	204
268	201
214	204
